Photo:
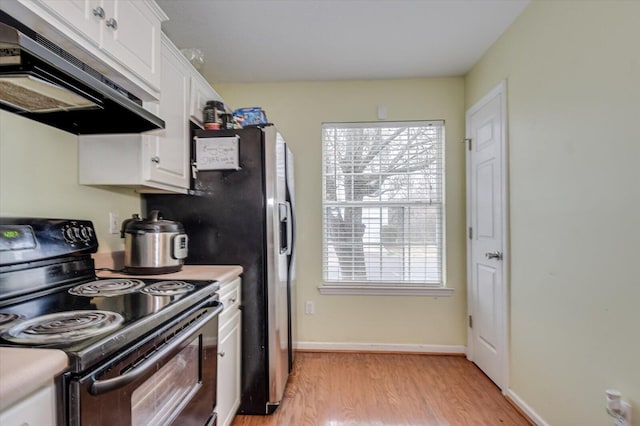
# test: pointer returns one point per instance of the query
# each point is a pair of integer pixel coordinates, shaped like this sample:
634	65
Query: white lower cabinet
229	353
38	409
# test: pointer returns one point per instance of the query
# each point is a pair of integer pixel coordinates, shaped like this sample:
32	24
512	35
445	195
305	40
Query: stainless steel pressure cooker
153	245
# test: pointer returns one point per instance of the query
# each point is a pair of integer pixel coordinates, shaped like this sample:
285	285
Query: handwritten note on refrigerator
218	153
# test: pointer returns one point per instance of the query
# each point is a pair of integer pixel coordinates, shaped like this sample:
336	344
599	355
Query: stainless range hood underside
41	81
31	94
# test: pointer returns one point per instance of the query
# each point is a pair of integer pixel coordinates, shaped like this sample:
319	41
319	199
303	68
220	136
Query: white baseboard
380	347
530	412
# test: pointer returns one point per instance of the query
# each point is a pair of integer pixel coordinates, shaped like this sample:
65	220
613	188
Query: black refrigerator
242	212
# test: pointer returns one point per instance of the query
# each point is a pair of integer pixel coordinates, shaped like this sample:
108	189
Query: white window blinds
383	186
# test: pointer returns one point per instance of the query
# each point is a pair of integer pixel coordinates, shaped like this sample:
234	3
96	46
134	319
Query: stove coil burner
63	327
107	288
6	319
167	288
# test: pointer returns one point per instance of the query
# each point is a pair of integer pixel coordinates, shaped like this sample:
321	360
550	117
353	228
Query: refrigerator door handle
286	228
289	229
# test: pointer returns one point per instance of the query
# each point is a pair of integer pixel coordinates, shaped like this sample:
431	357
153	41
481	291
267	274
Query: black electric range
50	297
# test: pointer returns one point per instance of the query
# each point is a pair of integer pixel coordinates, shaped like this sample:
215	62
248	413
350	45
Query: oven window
165	393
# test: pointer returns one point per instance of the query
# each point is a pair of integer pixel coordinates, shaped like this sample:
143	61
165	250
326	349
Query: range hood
43	82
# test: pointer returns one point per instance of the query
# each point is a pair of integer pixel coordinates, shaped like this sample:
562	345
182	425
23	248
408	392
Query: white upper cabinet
83	15
169	148
119	38
156	161
131	35
201	92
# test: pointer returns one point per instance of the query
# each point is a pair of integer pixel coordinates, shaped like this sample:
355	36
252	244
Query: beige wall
573	75
299	109
39	177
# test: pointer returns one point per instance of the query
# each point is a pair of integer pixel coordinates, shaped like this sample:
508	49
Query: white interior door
487	219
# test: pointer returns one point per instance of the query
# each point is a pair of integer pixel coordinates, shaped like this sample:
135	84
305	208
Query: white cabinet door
201	92
84	16
199	98
229	352
37	409
168	153
131	34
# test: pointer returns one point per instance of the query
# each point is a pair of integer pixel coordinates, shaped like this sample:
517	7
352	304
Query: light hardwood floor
340	389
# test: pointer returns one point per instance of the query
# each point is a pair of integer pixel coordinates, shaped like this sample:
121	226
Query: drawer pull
221	354
232	300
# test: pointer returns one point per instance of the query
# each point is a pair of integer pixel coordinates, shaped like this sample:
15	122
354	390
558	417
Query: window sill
386	291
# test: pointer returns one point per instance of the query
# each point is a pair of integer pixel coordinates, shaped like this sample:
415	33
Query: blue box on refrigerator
250	116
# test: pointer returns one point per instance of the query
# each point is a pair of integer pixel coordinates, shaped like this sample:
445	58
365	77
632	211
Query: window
383	186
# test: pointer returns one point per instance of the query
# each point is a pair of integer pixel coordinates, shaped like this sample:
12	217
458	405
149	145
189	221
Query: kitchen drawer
230	296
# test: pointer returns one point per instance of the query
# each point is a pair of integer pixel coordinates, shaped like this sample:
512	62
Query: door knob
495	255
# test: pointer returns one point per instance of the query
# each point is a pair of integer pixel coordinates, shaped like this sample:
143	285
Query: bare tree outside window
383	202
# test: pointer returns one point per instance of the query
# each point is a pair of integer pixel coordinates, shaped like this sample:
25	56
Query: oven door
170	379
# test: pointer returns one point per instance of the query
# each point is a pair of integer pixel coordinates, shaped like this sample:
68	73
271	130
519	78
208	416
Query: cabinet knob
221	354
155	160
232	300
111	22
99	12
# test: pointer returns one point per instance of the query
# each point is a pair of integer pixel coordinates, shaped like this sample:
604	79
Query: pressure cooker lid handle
134	217
155	215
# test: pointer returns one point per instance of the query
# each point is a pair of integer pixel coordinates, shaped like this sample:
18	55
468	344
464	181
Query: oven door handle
98	387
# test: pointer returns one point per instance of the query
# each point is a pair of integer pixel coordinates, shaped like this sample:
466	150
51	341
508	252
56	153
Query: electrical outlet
114	223
309	307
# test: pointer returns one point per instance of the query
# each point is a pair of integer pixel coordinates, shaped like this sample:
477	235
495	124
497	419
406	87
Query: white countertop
220	273
115	260
23	371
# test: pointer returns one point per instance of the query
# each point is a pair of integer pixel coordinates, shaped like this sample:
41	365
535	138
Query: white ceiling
296	40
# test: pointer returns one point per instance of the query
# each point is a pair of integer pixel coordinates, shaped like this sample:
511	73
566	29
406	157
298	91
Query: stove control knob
85	233
69	234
